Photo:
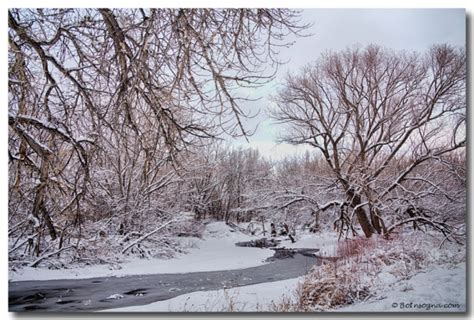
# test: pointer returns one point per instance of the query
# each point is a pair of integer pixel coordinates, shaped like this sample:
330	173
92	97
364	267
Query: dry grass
285	304
331	285
355	247
362	267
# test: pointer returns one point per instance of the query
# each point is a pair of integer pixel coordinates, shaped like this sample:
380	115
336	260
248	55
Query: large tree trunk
364	222
377	221
354	200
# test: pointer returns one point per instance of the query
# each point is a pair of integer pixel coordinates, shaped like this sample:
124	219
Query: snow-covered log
48	255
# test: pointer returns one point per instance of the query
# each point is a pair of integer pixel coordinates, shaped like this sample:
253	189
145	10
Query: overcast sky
336	29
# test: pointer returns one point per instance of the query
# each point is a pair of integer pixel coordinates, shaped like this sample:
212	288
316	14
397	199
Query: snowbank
441	289
409	272
258	297
216	251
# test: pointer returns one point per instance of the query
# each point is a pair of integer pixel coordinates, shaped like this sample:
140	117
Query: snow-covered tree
102	102
382	121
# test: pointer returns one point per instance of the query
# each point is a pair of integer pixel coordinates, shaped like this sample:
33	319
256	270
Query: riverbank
215	251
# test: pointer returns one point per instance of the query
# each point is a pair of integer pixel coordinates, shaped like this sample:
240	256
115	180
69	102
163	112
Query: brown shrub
336	288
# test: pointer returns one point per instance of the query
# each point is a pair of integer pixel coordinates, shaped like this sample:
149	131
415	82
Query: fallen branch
127	237
148	234
46	256
236	227
13	228
22	243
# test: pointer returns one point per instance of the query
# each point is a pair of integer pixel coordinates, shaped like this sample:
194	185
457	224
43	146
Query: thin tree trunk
38	206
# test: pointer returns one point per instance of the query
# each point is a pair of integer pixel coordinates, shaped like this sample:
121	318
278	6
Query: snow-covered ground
215	251
441	289
438	287
326	242
258	297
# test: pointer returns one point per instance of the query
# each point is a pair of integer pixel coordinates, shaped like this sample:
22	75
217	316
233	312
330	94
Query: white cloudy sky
336	29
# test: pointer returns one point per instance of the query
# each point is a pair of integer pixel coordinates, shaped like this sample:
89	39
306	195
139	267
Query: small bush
362	267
